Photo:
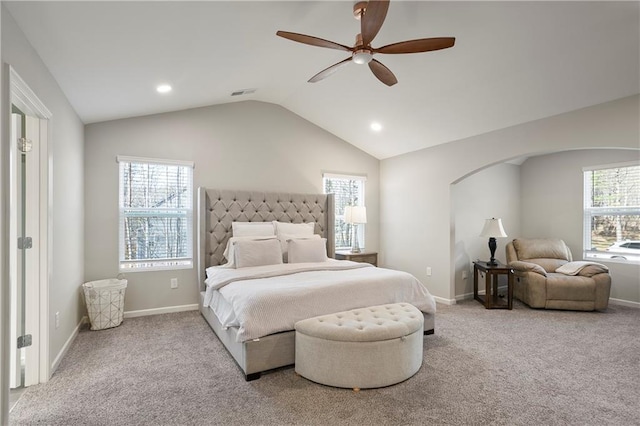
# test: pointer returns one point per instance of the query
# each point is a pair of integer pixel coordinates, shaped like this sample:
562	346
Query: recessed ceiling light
163	88
376	127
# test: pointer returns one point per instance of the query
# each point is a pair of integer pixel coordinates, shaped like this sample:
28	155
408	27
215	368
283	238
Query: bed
254	351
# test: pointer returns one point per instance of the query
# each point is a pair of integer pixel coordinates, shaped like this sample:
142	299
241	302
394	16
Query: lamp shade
355	214
493	228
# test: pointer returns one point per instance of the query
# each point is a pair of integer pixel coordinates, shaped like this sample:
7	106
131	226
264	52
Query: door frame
28	102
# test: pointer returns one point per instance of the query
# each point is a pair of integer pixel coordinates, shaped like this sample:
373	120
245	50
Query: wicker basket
105	302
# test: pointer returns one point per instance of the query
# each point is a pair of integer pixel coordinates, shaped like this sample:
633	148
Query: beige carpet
520	367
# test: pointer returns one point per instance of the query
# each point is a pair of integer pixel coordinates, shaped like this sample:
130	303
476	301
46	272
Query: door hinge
24	145
25	243
24	341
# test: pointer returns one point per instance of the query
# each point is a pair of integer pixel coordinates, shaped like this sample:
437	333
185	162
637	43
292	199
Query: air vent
243	92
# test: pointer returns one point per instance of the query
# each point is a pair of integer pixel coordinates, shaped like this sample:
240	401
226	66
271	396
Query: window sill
154	268
607	258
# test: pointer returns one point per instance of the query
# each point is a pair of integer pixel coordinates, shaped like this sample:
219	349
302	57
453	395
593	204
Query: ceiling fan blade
383	73
417	46
372	19
313	41
328	71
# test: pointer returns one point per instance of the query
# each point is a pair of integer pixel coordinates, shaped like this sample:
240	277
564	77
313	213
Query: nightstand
363	257
490	300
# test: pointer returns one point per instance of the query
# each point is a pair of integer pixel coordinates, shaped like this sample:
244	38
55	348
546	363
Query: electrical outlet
428	271
57	319
174	283
465	275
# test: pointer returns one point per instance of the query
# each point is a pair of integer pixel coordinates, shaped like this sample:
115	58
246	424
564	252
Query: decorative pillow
257	253
286	231
294	228
285	238
252	229
228	251
307	250
209	270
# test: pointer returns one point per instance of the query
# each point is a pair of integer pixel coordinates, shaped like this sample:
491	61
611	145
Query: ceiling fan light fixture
362	57
371	14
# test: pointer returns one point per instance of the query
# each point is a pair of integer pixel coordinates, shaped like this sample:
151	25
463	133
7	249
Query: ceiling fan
371	15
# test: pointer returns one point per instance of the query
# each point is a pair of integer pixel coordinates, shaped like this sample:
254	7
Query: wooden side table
363	257
490	300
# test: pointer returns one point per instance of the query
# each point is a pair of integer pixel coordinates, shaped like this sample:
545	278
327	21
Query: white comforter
269	299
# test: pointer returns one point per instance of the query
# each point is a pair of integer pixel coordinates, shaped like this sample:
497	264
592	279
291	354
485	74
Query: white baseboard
445	301
65	348
157	311
466	296
624	303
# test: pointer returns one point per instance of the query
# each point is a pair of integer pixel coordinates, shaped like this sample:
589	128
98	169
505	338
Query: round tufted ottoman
361	348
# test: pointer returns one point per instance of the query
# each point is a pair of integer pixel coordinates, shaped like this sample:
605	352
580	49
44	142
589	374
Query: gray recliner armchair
546	276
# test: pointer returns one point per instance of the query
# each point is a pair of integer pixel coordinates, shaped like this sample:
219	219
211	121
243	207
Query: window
156	214
612	212
349	191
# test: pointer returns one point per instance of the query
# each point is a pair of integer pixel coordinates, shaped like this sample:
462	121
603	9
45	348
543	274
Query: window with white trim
348	191
156	214
612	212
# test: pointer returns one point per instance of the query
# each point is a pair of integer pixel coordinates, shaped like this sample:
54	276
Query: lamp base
492	249
356	247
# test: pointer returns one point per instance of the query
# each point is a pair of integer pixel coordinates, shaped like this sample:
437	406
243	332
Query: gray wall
244	145
552	206
417	219
542	198
475	199
66	145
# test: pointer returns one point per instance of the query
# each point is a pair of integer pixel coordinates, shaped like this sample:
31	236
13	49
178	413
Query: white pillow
210	270
285	238
286	231
307	250
257	253
228	251
294	228
252	229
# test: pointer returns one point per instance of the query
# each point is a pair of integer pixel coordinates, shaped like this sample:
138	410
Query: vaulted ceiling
513	62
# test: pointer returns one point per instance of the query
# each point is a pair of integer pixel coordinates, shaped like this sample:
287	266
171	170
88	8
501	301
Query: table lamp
355	215
493	229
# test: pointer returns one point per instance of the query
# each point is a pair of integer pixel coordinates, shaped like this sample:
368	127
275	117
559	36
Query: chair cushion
370	324
564	287
549	265
539	248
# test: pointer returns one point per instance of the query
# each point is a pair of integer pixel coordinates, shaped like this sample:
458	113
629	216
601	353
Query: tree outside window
155	214
348	191
612	213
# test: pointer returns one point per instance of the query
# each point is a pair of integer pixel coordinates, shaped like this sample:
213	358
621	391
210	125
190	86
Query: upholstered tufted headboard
218	209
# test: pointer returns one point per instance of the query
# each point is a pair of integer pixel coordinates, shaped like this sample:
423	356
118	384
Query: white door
24	254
